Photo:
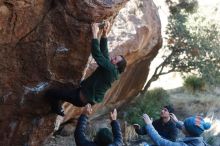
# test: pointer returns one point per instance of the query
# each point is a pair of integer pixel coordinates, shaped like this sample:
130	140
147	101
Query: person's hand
136	126
95	29
113	115
173	117
147	119
87	110
106	29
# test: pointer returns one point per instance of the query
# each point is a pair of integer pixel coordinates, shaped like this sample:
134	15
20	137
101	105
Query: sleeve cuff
83	116
114	122
104	38
148	127
179	124
95	40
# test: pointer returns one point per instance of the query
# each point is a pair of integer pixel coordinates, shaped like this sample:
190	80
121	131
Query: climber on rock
104	136
93	88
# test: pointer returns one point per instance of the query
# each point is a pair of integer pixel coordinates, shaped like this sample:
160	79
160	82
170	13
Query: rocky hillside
47	42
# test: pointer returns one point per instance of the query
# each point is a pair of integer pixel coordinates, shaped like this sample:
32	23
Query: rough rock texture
47	42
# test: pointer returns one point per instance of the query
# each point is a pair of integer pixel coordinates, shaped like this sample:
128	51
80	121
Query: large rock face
46	42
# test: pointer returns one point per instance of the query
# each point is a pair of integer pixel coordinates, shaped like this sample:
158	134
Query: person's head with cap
104	137
165	112
169	108
195	126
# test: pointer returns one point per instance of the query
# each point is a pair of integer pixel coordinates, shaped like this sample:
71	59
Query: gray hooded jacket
159	141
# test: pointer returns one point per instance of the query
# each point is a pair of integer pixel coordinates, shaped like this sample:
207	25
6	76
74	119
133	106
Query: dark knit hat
169	108
104	137
195	126
121	65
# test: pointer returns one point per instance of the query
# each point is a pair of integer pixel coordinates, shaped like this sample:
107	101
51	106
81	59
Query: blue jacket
159	141
166	130
80	137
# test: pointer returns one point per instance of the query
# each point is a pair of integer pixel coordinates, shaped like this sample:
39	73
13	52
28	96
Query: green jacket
95	86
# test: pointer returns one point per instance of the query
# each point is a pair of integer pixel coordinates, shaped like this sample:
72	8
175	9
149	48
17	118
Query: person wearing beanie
104	136
164	126
192	128
195	126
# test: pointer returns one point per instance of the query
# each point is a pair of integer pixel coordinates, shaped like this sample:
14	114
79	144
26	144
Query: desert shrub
194	83
150	102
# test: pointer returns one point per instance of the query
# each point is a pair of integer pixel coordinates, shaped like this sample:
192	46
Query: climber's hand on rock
87	110
106	29
113	115
95	30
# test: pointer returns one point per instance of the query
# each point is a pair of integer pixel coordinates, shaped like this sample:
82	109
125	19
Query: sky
174	80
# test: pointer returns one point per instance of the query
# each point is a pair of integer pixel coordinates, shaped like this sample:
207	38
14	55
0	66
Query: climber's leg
54	98
72	95
69	94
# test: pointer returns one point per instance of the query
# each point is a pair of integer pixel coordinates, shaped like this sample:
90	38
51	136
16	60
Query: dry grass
206	104
201	103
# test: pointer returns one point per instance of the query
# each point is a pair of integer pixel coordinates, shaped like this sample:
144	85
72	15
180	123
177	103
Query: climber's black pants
69	94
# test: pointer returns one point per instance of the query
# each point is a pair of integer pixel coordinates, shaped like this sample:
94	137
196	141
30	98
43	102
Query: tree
192	43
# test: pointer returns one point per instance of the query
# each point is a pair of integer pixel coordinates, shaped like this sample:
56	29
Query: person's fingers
172	116
145	116
115	111
87	106
93	25
90	107
105	27
112	115
106	23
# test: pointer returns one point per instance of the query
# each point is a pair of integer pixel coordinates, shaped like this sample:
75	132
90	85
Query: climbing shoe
58	110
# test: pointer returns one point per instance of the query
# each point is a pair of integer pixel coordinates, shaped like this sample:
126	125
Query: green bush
151	103
194	83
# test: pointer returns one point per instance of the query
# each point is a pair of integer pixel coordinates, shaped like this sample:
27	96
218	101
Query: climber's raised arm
104	40
97	54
